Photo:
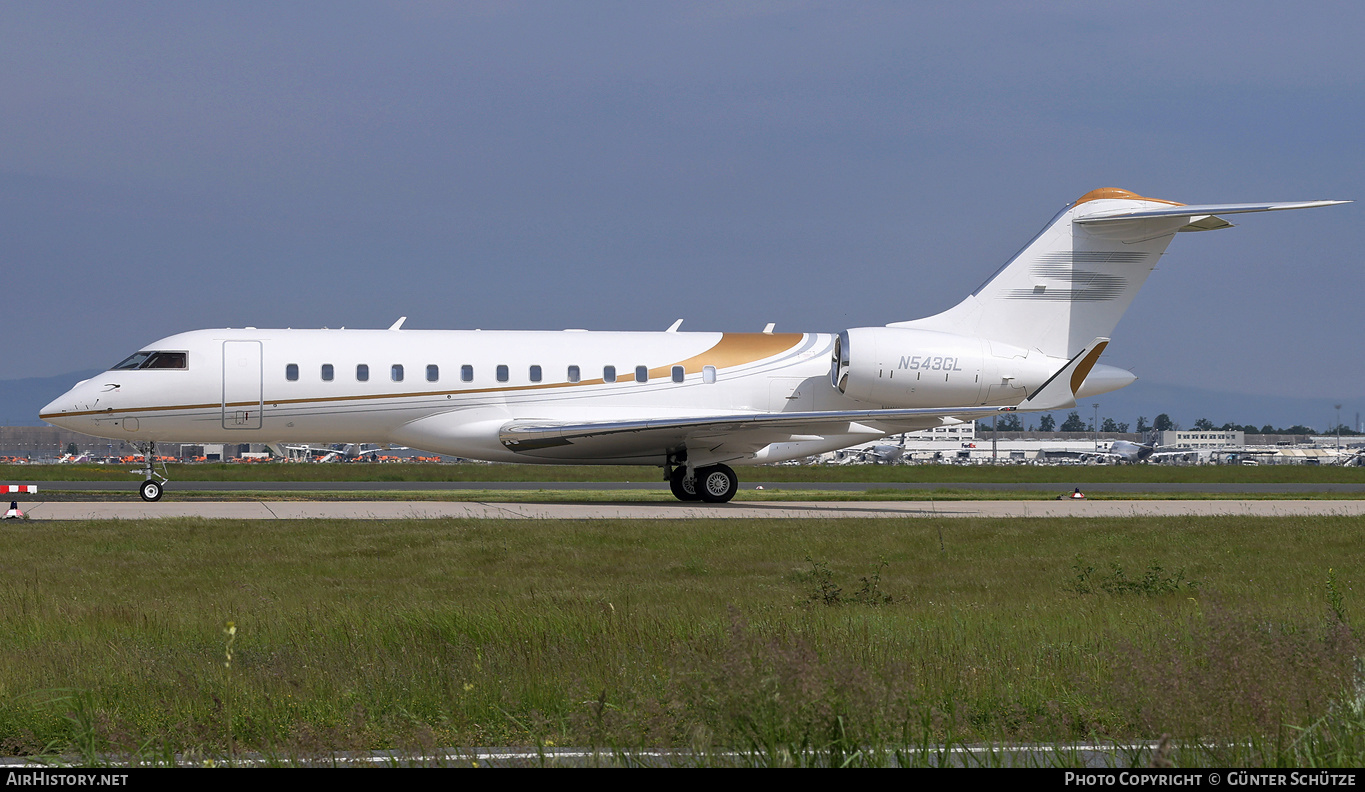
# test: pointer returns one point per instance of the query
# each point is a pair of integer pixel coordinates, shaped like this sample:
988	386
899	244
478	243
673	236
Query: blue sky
170	166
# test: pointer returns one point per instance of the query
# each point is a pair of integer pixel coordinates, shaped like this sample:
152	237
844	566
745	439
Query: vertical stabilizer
1069	285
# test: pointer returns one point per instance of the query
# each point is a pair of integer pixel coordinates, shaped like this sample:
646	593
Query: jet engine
901	367
909	367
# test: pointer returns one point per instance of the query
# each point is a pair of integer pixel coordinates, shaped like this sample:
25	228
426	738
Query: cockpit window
132	361
154	360
167	360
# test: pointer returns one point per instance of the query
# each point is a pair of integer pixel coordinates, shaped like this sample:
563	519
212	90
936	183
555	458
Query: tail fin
1073	282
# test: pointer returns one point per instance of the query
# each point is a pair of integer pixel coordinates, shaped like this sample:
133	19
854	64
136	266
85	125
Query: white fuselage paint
236	386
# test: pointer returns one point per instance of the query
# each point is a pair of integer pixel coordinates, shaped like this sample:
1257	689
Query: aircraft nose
55	411
59	411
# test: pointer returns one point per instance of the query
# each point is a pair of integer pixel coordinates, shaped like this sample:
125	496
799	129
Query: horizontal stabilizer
1059	392
1196	211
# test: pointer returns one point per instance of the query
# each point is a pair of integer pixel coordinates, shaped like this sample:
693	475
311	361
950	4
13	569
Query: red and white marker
14	513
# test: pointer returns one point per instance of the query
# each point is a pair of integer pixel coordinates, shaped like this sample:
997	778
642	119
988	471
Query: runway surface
391	510
441	486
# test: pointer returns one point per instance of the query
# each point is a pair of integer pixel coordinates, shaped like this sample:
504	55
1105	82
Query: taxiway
397	510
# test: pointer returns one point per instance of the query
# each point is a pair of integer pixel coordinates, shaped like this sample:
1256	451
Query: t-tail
1072	282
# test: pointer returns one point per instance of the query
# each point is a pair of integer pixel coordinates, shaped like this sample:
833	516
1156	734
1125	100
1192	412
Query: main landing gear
712	484
151	488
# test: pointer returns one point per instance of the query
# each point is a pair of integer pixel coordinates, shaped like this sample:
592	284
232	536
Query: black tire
151	491
717	484
684	489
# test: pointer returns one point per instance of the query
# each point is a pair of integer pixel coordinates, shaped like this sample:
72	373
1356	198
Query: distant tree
1047	423
1250	429
1299	429
1109	426
1123	427
1073	422
1268	429
1010	423
1142	424
1203	425
1163	423
71	449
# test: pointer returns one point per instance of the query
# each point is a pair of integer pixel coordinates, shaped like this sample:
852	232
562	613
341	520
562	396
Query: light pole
1097	425
1338	432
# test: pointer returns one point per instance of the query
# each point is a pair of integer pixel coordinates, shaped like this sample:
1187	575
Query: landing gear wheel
717	484
684	488
150	490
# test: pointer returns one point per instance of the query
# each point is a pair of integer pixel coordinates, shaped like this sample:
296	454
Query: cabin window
433	373
708	375
466	373
678	373
503	376
362	372
642	374
396	372
608	373
327	372
574	374
535	373
291	372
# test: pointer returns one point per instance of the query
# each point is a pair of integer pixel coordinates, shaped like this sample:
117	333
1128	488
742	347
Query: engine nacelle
900	367
908	367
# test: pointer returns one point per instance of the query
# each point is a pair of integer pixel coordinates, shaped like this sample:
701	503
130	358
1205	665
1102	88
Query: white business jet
692	403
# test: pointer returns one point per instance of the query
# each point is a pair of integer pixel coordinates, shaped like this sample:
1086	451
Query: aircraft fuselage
387	386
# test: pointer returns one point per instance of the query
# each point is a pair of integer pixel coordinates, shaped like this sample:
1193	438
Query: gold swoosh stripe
1083	370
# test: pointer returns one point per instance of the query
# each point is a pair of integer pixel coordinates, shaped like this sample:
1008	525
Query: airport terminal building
1196	438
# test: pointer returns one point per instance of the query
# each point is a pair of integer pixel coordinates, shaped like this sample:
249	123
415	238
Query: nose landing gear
154	484
150	490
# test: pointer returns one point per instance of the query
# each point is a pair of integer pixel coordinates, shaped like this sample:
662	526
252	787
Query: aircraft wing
733	436
723	435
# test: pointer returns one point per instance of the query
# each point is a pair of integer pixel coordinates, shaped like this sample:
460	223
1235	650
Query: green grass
946	474
770	636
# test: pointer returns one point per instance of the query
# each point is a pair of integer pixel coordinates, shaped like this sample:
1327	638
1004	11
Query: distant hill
21	399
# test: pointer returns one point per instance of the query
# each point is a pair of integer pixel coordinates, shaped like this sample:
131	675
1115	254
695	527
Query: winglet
1059	391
